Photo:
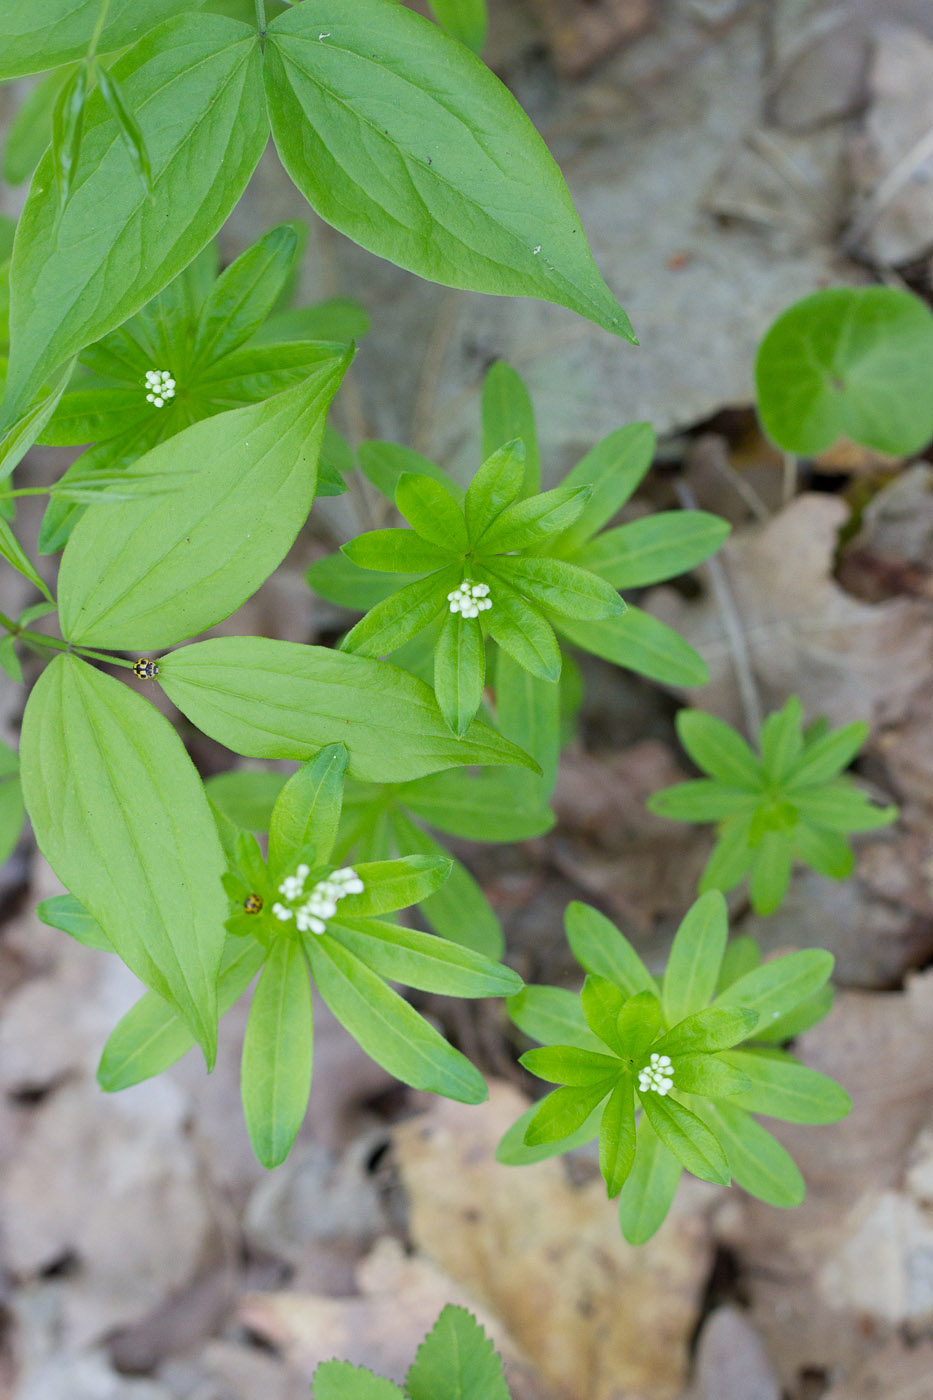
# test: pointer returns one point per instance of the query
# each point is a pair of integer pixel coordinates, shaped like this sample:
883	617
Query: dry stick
732	626
892	184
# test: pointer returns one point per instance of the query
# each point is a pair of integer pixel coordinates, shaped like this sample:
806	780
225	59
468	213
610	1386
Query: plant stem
98	28
261	16
25	491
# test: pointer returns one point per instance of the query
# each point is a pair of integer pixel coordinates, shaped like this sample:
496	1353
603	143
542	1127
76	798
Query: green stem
25	491
261	16
98	28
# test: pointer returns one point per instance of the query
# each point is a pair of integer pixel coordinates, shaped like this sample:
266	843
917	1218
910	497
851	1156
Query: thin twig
888	188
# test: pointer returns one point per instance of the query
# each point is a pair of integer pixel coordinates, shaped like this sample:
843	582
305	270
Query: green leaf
731	857
36	37
394	884
553	1015
488	806
151	1036
713	1076
459	671
781	1087
494	488
422	960
638	1023
641	643
271	699
654	548
433	511
528	523
827	755
465	20
11	801
247	796
395	552
340	581
777	987
559	587
602	1003
187	560
649	1191
128	830
339	1380
277	1053
528	711
195	86
563	1112
613	468
742	955
12	551
695	959
701	800
458	911
600	948
456	1360
782	741
841	807
617	1137
521	630
128	126
687	1137
569	1065
30	131
64	912
848	362
10	662
339	319
243	295
375	113
67	130
508	414
718	1027
400	617
385	462
30	427
716	748
306	818
513	1151
800	1019
758	1162
388	1029
772	860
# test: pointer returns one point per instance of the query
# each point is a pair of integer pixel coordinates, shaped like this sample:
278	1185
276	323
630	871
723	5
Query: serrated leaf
553	1015
340	1380
780	1087
650	1189
508	415
65	912
687	1137
641	643
275	1075
695	958
128	830
758	1162
456	1361
374	113
306	817
422	960
390	1031
600	948
248	481
271	699
655	548
195	85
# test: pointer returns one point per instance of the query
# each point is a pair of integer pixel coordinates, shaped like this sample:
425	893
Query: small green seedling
456	1361
790	803
695	1055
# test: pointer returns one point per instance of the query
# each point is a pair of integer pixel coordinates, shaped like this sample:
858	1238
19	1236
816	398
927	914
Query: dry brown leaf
582	32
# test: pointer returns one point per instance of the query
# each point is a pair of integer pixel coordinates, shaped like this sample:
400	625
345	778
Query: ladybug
145	669
252	903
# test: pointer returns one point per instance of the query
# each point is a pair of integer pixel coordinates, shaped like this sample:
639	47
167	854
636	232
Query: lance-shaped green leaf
35	37
530	522
715	747
712	1076
422	960
30	427
826	851
152	1036
148	572
715	1028
801	1018
12	551
521	629
781	741
466	20
194	84
509	416
243	295
731	856
641	643
390	1031
271	699
513	1151
638	1023
494	487
701	800
617	1136
564	1111
742	955
275	1076
602	1003
432	509
772	861
687	1137
826	755
385	462
30	130
650	1189
656	547
559	587
529	712
613	469
375	113
554	1016
777	987
120	814
395	552
781	1087
340	581
394	884
67	130
758	1162
401	616
459	671
456	1361
341	1380
600	948
125	118
458	911
246	796
569	1065
842	807
65	912
477	806
306	818
696	955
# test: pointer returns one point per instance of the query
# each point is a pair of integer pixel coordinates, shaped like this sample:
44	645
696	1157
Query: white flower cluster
657	1075
161	387
321	903
470	599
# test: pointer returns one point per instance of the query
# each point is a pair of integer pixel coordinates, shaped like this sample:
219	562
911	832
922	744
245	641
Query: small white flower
320	904
281	912
161	387
657	1075
470	599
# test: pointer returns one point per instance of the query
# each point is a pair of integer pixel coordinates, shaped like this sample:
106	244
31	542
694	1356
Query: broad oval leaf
120	814
375	114
270	699
147	572
277	1053
195	86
